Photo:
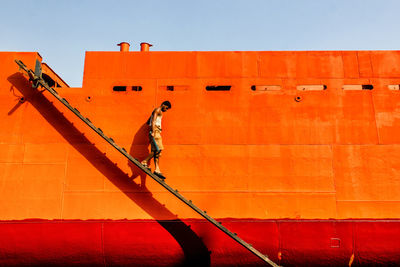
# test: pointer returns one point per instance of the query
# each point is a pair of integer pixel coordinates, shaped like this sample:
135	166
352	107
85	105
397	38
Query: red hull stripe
196	242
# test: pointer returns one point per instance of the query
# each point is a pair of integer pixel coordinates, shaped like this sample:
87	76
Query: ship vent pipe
145	47
124	47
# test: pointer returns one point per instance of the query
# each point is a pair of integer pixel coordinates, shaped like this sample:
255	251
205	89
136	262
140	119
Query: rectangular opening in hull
218	88
265	87
119	88
311	87
394	87
136	88
174	87
355	87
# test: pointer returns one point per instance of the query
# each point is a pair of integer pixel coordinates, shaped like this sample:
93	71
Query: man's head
165	106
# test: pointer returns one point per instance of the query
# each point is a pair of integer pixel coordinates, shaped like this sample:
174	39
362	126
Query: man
154	122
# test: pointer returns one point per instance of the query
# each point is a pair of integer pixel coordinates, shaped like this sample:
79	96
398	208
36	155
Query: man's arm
157	112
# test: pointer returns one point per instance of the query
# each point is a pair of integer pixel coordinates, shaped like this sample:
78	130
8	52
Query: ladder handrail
39	81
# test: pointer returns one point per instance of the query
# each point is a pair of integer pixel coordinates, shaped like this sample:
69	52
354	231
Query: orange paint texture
240	153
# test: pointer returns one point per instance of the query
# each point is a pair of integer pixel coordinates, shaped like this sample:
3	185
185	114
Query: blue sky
61	31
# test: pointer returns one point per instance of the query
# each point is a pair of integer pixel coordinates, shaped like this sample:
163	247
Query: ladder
37	80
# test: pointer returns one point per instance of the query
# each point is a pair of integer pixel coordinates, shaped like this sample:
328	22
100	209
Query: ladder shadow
195	251
139	149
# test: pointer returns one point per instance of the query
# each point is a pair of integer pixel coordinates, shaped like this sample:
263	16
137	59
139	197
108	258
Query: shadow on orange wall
140	152
19	100
195	251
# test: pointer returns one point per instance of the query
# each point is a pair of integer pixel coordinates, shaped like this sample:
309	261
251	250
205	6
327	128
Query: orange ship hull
300	152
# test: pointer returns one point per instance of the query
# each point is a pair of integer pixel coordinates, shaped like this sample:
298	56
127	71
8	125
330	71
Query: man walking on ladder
154	122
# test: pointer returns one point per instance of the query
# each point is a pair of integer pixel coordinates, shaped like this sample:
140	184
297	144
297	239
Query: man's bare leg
157	166
156	163
145	162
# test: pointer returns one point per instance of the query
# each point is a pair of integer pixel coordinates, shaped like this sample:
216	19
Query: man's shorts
156	141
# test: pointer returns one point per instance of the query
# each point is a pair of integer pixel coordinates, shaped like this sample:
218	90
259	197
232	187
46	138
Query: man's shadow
195	251
139	149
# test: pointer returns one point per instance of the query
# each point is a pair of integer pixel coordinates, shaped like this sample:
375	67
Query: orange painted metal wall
238	153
